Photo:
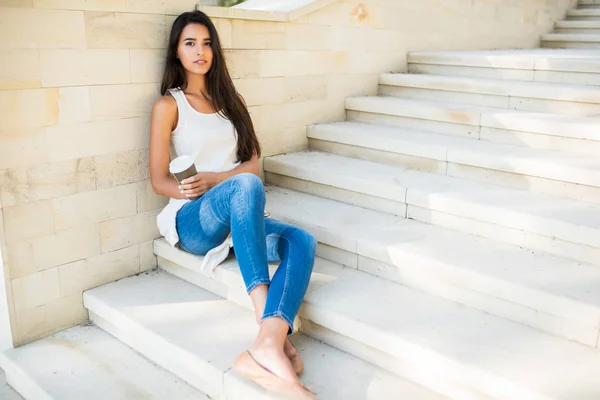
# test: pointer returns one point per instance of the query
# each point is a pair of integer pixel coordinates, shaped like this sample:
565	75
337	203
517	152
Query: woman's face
194	49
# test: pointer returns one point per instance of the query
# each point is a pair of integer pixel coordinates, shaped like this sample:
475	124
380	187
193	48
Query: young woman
201	115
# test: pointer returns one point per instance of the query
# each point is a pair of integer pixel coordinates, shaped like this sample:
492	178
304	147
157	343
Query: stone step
437	343
6	391
590	27
477	122
583	14
197	335
86	363
574	66
529	96
558	226
501	279
542	171
571	40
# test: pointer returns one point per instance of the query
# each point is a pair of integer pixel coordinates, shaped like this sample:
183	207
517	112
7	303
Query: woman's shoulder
165	104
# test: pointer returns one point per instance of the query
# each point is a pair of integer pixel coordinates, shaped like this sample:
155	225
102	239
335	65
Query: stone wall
77	81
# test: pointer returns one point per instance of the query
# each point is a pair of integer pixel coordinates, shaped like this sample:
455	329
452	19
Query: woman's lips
200	62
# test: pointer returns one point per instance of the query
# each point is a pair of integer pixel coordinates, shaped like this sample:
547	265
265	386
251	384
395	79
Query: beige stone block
20	148
313	112
340	87
147	258
97	138
49	318
298	63
268	117
20	259
28	221
48	180
250	34
16	3
261	91
122	101
125	232
243	64
109	30
31	256
41	29
36	289
95	271
66	246
281	141
225	30
74	105
92	207
147	200
302	88
307	37
375	62
122	168
84	67
146	65
28	108
134	6
19	69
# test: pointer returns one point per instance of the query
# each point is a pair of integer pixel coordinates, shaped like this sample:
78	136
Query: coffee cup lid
180	164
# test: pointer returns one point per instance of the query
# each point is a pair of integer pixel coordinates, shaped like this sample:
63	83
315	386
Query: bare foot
294	357
274	359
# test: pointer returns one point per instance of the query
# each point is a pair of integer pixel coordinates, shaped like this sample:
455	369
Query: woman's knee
302	239
249	183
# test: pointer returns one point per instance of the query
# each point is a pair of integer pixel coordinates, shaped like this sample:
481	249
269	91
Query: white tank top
211	140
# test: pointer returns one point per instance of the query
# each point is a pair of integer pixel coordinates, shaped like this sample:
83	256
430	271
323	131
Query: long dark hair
224	97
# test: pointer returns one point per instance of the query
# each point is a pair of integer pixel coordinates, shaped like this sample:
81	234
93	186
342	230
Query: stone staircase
458	219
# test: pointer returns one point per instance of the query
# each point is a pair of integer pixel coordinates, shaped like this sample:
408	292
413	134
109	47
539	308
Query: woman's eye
207	44
189	44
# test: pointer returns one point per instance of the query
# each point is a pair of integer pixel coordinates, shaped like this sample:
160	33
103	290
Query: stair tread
437	333
380	236
201	328
498	87
578	60
549	164
555	217
85	362
492	117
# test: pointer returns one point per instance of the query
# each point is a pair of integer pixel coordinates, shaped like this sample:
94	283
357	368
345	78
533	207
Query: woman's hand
199	184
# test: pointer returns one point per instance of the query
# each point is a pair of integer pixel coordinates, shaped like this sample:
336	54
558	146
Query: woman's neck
196	84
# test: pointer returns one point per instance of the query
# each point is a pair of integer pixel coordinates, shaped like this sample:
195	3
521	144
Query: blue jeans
237	206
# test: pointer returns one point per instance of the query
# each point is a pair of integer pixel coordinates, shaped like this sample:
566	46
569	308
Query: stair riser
516	180
506	234
509	102
577	78
580	31
582	18
571	45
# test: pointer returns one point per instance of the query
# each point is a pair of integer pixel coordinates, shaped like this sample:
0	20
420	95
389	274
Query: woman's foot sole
246	365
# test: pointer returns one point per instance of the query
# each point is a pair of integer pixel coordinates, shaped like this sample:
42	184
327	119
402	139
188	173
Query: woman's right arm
164	119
